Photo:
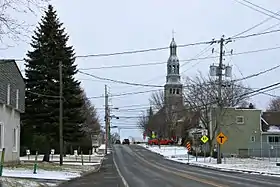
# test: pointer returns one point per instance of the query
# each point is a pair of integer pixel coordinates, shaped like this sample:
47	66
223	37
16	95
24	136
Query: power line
159	86
257	74
258	10
187	60
256	34
162	48
255	26
276	14
121	82
124	94
43	95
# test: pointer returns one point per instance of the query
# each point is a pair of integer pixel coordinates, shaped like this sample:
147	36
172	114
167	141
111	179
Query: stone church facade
169	122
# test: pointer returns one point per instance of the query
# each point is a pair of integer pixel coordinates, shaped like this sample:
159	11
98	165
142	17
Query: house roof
6	61
270	120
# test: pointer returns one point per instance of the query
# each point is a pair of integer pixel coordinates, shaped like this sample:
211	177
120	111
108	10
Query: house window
17	98
1	135
170	90
174	91
8	94
15	139
178	92
273	139
253	138
240	119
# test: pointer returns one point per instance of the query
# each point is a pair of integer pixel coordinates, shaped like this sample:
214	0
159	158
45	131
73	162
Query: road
142	168
107	176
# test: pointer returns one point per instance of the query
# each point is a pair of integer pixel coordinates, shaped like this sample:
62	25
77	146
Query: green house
242	129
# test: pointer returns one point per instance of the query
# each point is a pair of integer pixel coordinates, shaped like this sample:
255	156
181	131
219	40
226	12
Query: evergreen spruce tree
42	84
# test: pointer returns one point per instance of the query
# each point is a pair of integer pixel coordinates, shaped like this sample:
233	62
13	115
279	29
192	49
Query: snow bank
251	165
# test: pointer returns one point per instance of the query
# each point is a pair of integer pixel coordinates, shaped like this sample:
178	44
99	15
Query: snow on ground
22	175
13	182
251	165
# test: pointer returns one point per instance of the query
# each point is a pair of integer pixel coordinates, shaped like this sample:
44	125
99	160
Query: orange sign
221	138
189	146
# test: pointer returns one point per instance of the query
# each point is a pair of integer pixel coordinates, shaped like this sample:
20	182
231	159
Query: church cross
173	33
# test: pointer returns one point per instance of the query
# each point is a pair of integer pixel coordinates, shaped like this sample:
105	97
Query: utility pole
218	72
60	114
106	119
109	127
220	104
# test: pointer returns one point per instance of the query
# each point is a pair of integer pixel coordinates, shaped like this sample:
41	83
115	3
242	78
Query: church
173	119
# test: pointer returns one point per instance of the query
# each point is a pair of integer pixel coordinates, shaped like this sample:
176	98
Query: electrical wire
255	26
159	86
120	82
275	17
162	48
43	95
249	94
257	74
125	94
258	91
276	14
187	60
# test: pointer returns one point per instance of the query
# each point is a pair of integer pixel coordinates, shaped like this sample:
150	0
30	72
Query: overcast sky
110	26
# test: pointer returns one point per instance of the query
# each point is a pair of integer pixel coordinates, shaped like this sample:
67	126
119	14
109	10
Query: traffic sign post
221	138
189	149
204	139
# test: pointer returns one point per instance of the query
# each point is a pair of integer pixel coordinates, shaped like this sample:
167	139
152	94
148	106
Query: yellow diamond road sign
153	135
204	139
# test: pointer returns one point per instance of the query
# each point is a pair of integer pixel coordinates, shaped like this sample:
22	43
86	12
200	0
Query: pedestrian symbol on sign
204	139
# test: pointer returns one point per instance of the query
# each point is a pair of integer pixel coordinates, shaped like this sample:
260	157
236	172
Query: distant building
172	120
242	129
12	104
270	140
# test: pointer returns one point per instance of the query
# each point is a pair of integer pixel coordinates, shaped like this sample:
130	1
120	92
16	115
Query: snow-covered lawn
252	165
51	173
13	182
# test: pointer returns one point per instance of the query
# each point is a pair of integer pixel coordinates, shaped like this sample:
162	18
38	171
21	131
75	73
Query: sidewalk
106	177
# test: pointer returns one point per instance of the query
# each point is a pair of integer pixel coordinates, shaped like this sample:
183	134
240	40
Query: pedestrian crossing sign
153	135
204	139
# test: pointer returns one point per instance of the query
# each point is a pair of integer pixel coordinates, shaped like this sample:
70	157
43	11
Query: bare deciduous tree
157	100
11	26
201	95
91	125
274	104
143	121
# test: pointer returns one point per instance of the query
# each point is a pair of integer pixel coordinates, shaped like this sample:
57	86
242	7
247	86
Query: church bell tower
173	86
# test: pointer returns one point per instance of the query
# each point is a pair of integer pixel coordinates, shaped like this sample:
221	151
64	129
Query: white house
12	102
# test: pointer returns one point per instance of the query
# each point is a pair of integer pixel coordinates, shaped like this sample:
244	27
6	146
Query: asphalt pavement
107	176
142	168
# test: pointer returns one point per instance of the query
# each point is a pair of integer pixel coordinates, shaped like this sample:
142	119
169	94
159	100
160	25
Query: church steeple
173	47
173	86
173	66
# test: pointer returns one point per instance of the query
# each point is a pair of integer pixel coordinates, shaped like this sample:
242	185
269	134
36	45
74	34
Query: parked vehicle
126	141
162	142
118	142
